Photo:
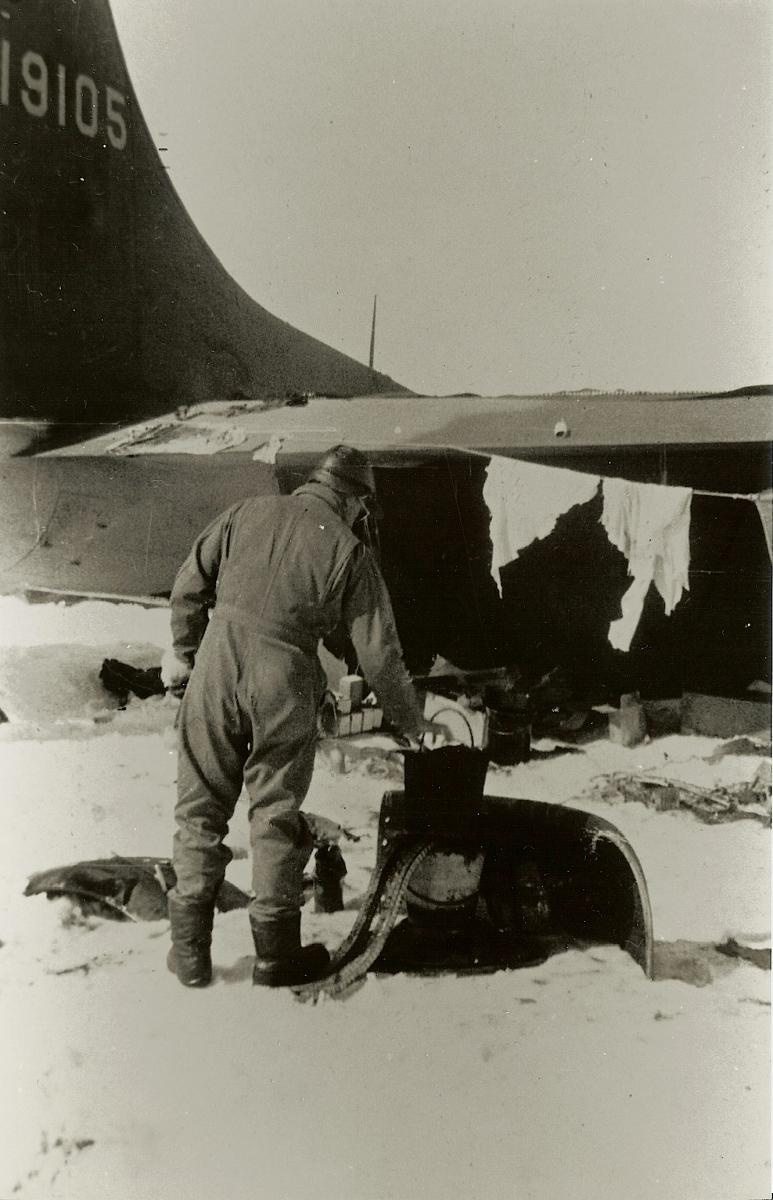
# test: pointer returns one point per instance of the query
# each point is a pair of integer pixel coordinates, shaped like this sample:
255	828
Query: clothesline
649	524
751	496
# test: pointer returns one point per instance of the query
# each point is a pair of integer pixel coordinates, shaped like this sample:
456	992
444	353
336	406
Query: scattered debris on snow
117	1082
732	802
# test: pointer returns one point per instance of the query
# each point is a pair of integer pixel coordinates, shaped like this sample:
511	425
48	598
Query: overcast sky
545	194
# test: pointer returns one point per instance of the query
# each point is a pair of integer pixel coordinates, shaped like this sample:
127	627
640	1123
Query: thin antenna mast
373	334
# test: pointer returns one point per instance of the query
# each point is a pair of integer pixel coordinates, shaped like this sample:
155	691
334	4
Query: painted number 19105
79	100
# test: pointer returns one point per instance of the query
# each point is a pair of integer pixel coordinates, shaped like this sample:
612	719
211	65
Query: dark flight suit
282	572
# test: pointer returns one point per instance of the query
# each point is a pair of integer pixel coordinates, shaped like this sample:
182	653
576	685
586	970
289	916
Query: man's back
278	563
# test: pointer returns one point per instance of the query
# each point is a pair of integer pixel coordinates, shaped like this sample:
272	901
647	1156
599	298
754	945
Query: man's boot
280	960
191	927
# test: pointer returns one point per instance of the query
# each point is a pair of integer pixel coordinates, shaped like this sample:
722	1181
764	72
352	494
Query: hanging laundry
525	501
650	525
764	506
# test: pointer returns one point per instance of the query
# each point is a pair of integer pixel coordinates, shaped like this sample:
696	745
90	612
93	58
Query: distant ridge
757	389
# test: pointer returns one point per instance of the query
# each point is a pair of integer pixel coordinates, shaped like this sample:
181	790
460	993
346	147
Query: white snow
578	1077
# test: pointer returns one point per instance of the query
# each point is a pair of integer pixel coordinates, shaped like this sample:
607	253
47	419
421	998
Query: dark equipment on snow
508	735
451	772
124	680
463	882
329	871
133	889
547	877
466	882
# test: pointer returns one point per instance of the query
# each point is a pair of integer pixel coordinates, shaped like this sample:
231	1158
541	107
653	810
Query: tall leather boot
280	960
191	927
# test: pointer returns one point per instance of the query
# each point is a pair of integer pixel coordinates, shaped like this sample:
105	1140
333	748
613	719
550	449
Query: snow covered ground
578	1077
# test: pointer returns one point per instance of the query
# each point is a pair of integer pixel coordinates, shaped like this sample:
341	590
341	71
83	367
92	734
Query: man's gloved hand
175	673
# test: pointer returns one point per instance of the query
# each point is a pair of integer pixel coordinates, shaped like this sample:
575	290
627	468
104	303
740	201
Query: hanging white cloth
525	500
650	524
764	505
